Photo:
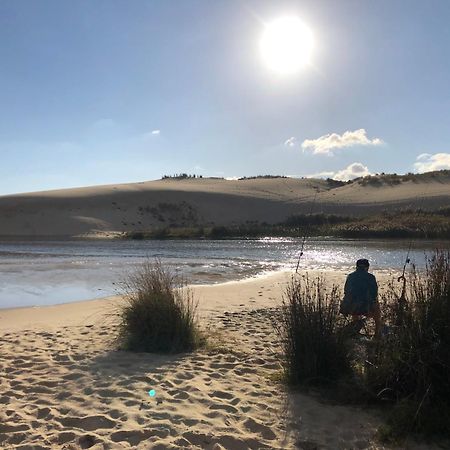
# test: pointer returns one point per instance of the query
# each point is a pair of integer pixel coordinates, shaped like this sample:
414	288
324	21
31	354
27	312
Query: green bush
314	350
158	313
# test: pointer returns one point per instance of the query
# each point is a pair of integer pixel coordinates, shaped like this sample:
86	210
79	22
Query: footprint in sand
256	427
115	413
7	428
48	384
226	442
133	437
86	441
178	394
89	423
44	413
228	408
199	439
222	395
73	376
185	376
65	436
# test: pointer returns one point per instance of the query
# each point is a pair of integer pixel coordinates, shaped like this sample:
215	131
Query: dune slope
206	202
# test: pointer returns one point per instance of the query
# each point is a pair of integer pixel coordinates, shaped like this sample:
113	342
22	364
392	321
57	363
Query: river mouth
42	272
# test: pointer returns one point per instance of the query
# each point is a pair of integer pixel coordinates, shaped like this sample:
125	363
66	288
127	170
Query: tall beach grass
158	313
406	371
412	365
314	351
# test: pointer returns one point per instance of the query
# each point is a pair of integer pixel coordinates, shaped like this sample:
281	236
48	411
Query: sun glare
286	45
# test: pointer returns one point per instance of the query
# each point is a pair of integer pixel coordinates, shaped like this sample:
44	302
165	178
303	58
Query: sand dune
204	202
64	384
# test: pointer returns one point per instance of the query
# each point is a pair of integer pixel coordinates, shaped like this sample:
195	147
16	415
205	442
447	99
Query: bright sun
286	45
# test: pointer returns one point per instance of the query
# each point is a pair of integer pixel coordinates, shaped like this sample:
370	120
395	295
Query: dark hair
362	263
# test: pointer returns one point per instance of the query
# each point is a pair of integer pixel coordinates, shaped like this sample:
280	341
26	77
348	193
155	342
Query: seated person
360	295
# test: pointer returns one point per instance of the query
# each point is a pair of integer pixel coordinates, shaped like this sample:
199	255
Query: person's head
362	264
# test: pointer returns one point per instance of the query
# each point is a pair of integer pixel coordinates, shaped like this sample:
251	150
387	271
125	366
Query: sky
99	92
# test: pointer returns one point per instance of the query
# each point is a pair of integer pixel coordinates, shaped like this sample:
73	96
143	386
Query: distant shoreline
179	237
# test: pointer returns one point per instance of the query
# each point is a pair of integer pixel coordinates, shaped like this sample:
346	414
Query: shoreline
115	236
43	314
207	294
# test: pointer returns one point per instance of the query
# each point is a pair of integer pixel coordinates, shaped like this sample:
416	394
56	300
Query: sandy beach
65	385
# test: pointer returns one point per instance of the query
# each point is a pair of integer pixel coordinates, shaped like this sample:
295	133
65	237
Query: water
50	272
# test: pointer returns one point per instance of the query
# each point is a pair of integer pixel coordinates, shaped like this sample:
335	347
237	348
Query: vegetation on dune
402	224
180	176
384	179
376	180
158	313
264	177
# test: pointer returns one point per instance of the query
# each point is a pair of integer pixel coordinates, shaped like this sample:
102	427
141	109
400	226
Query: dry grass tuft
315	352
158	313
412	364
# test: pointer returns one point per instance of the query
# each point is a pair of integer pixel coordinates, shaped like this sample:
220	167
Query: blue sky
97	92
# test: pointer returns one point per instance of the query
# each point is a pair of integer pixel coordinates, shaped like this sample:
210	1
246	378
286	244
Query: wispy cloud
354	170
148	135
328	143
427	162
321	175
291	142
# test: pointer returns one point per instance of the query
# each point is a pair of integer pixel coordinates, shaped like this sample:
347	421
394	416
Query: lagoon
43	272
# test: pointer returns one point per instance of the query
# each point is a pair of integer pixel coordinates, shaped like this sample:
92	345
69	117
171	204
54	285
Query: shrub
412	367
158	313
136	235
315	219
314	350
218	232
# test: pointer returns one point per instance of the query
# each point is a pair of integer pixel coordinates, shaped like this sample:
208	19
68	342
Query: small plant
158	313
315	352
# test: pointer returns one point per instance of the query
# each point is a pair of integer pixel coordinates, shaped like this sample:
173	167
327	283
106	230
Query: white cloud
329	142
291	142
354	170
148	135
321	175
427	162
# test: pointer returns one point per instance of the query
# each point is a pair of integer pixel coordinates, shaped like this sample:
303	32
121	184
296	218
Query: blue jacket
360	292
